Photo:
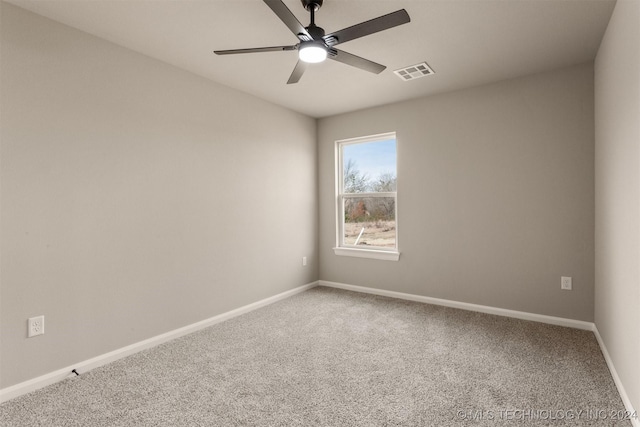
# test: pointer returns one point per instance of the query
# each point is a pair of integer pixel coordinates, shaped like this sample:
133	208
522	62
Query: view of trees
365	209
358	182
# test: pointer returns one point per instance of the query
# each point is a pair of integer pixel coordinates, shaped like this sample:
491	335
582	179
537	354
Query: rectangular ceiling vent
414	71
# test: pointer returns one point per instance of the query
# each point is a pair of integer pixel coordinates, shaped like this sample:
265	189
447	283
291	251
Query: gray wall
617	102
137	198
495	194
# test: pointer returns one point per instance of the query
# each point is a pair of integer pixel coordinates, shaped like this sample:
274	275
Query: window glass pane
370	221
369	166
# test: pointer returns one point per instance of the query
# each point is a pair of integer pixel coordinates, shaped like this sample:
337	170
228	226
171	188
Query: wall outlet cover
35	326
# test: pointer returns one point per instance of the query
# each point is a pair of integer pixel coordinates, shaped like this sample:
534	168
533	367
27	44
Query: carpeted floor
329	357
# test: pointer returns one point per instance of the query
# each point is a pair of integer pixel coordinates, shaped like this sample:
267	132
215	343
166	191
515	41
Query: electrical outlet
35	326
304	261
565	283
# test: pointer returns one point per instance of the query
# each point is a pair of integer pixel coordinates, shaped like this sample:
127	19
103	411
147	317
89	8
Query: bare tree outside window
354	180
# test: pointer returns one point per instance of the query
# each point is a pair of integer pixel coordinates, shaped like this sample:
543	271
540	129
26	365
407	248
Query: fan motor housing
315	32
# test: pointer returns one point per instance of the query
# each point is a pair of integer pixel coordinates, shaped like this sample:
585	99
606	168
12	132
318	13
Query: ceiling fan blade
355	61
289	19
375	25
297	72
254	50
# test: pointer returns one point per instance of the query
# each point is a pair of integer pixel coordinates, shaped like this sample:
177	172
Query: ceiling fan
315	46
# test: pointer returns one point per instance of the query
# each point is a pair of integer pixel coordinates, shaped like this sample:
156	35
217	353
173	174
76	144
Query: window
366	201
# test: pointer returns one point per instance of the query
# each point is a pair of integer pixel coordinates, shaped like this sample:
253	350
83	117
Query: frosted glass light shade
312	53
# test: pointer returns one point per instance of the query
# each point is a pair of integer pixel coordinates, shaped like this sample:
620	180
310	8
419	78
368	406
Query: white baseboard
87	365
616	379
560	321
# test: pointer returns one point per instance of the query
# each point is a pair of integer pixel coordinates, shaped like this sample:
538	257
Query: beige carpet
329	357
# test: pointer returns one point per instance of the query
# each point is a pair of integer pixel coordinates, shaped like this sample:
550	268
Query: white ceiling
466	42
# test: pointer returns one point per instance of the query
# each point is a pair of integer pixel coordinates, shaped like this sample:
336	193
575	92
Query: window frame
374	252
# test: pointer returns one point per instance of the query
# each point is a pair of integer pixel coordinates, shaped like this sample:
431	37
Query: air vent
414	71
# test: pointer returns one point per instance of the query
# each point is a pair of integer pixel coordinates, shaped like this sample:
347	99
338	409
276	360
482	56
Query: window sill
368	253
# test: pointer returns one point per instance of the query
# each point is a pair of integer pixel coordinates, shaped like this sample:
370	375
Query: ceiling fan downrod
313	6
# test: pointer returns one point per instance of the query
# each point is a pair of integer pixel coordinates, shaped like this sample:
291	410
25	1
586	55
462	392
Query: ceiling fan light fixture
312	52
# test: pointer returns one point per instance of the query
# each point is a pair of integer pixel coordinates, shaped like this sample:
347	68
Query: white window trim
341	249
